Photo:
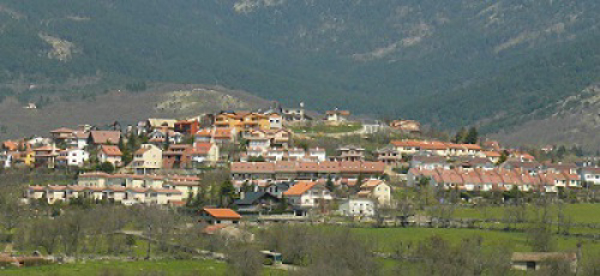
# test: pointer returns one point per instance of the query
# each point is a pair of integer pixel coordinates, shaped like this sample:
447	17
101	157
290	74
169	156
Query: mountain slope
450	63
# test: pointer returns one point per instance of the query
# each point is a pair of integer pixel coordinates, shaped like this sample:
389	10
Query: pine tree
460	136
329	184
227	192
199	200
472	136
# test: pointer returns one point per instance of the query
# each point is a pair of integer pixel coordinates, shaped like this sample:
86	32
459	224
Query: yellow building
243	121
29	158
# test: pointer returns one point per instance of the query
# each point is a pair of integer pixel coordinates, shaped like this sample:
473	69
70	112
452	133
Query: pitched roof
81	134
222	213
253	167
102	137
111	150
372	183
300	188
62	130
201	148
492	153
141	150
10	145
406	143
251	197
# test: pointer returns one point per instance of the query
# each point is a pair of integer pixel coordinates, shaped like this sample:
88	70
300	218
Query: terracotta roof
37	188
510	177
329	167
111	150
492	154
307	167
472	146
224	133
222	213
204	133
141	150
472	177
10	145
435	146
81	134
44	148
105	137
406	143
179	146
253	167
300	188
570	176
202	148
62	130
372	183
285	166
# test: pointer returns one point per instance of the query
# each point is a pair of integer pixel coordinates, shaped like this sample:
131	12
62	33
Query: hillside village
161	161
235	170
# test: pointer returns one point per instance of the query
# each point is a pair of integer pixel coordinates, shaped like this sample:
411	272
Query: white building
148	159
77	157
591	175
5	160
357	207
377	190
306	195
275	121
111	154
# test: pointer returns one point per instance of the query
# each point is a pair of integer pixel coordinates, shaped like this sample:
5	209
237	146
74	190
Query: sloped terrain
576	120
450	63
161	101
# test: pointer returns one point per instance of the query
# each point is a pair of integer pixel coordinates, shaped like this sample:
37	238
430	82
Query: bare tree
245	259
540	235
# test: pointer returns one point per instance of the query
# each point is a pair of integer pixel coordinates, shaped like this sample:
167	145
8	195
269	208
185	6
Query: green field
579	213
387	239
166	267
327	129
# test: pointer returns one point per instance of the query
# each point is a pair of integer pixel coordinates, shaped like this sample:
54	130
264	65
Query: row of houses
290	170
497	179
301	196
305	196
65	147
123	195
124	188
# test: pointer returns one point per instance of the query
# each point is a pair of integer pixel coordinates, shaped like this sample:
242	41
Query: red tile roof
62	130
372	183
10	145
111	150
222	213
105	137
300	188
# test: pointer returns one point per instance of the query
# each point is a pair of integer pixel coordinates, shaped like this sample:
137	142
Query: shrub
268	261
35	262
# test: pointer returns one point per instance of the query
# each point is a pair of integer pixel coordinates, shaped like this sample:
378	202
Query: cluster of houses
128	189
267	169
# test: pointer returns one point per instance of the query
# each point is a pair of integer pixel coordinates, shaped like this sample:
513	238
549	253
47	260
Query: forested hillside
449	63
